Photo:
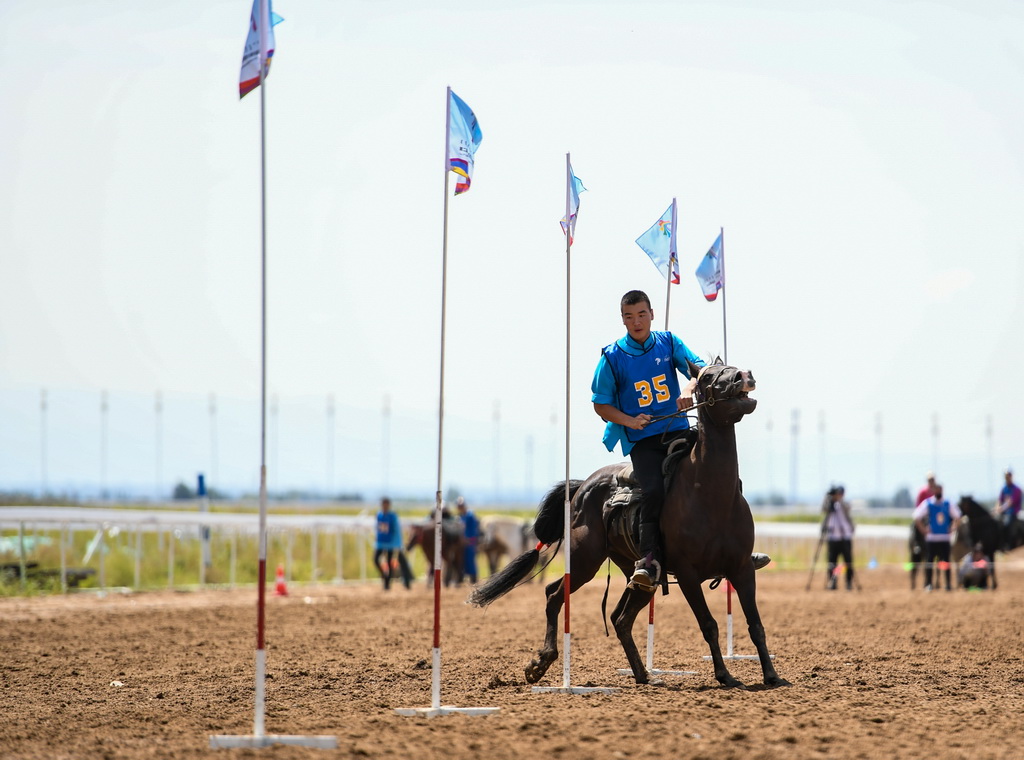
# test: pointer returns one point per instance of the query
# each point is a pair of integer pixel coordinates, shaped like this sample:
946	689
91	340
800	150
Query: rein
709	401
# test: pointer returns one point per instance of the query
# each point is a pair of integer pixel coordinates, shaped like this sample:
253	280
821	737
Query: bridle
701	400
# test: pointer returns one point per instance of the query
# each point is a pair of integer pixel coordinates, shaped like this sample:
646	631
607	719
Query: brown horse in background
707	529
452	544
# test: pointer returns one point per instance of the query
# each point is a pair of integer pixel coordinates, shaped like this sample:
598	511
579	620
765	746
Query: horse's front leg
623	616
746	591
549	652
708	627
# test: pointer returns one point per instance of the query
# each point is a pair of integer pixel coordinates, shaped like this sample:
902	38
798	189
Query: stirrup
642	579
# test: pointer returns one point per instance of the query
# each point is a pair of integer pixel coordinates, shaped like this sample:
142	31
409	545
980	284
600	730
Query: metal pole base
574	689
267	740
659	672
433	712
739	657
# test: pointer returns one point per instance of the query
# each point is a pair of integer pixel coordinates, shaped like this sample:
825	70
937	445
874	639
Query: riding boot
648	567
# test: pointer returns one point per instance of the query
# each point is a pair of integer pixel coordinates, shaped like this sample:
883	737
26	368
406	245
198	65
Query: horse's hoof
732	683
776	682
535	671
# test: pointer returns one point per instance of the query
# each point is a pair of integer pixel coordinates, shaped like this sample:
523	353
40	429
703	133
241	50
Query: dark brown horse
706	524
451	550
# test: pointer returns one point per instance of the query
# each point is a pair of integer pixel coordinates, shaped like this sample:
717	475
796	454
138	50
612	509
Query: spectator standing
389	545
917	537
1008	510
937	519
839	532
471	536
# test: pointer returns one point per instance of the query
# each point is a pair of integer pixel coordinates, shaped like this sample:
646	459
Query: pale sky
865	160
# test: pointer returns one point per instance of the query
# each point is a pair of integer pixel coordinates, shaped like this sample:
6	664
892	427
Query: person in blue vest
1008	510
389	545
471	536
635	383
937	518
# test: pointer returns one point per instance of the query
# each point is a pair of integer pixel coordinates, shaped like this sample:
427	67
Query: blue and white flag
575	188
464	138
710	273
659	242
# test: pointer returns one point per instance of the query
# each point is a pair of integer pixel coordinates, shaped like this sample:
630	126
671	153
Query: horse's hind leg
549	652
623	616
746	590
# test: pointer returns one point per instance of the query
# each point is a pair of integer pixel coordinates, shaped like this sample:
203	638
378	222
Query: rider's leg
647	456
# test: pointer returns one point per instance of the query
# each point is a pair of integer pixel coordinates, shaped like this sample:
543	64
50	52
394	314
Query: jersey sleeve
603	385
681	353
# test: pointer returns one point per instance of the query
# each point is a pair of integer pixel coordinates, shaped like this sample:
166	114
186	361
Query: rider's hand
640	421
684	402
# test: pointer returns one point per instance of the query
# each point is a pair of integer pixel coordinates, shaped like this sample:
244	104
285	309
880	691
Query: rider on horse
635	383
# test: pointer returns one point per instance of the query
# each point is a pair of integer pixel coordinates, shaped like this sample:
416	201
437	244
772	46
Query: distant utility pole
552	459
990	450
214	483
103	444
794	433
386	443
822	458
529	466
769	426
878	455
158	408
276	420
935	442
42	438
330	445
497	449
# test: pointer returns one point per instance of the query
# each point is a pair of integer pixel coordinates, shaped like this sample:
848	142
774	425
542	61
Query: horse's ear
718	360
694	368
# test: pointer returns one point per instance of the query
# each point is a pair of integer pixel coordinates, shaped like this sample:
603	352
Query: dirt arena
879	673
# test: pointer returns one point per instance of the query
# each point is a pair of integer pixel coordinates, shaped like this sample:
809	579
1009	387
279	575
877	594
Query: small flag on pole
575	188
464	138
249	77
709	273
659	242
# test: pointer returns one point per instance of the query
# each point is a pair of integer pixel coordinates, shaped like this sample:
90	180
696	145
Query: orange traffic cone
280	589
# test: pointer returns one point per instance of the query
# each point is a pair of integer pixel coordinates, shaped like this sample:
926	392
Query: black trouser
842	547
935	552
647	456
385	571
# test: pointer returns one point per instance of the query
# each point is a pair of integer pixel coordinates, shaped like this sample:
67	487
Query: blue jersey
642	380
389	532
938	517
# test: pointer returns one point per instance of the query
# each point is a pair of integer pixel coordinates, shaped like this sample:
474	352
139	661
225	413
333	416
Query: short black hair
634	297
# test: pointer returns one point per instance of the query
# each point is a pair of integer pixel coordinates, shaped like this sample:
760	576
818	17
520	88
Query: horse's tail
548	527
415	537
550	523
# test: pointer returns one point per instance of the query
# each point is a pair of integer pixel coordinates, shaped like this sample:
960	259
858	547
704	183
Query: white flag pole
435	680
565	688
259	738
725	333
650	608
671	260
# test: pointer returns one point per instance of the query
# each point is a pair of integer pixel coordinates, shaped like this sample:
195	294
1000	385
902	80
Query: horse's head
723	391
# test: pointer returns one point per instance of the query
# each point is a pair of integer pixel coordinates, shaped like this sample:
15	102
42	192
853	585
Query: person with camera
838	529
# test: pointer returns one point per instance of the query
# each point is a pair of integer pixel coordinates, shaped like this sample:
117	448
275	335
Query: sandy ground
876	673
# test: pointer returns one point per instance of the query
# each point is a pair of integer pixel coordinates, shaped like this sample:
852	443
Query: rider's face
637	320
